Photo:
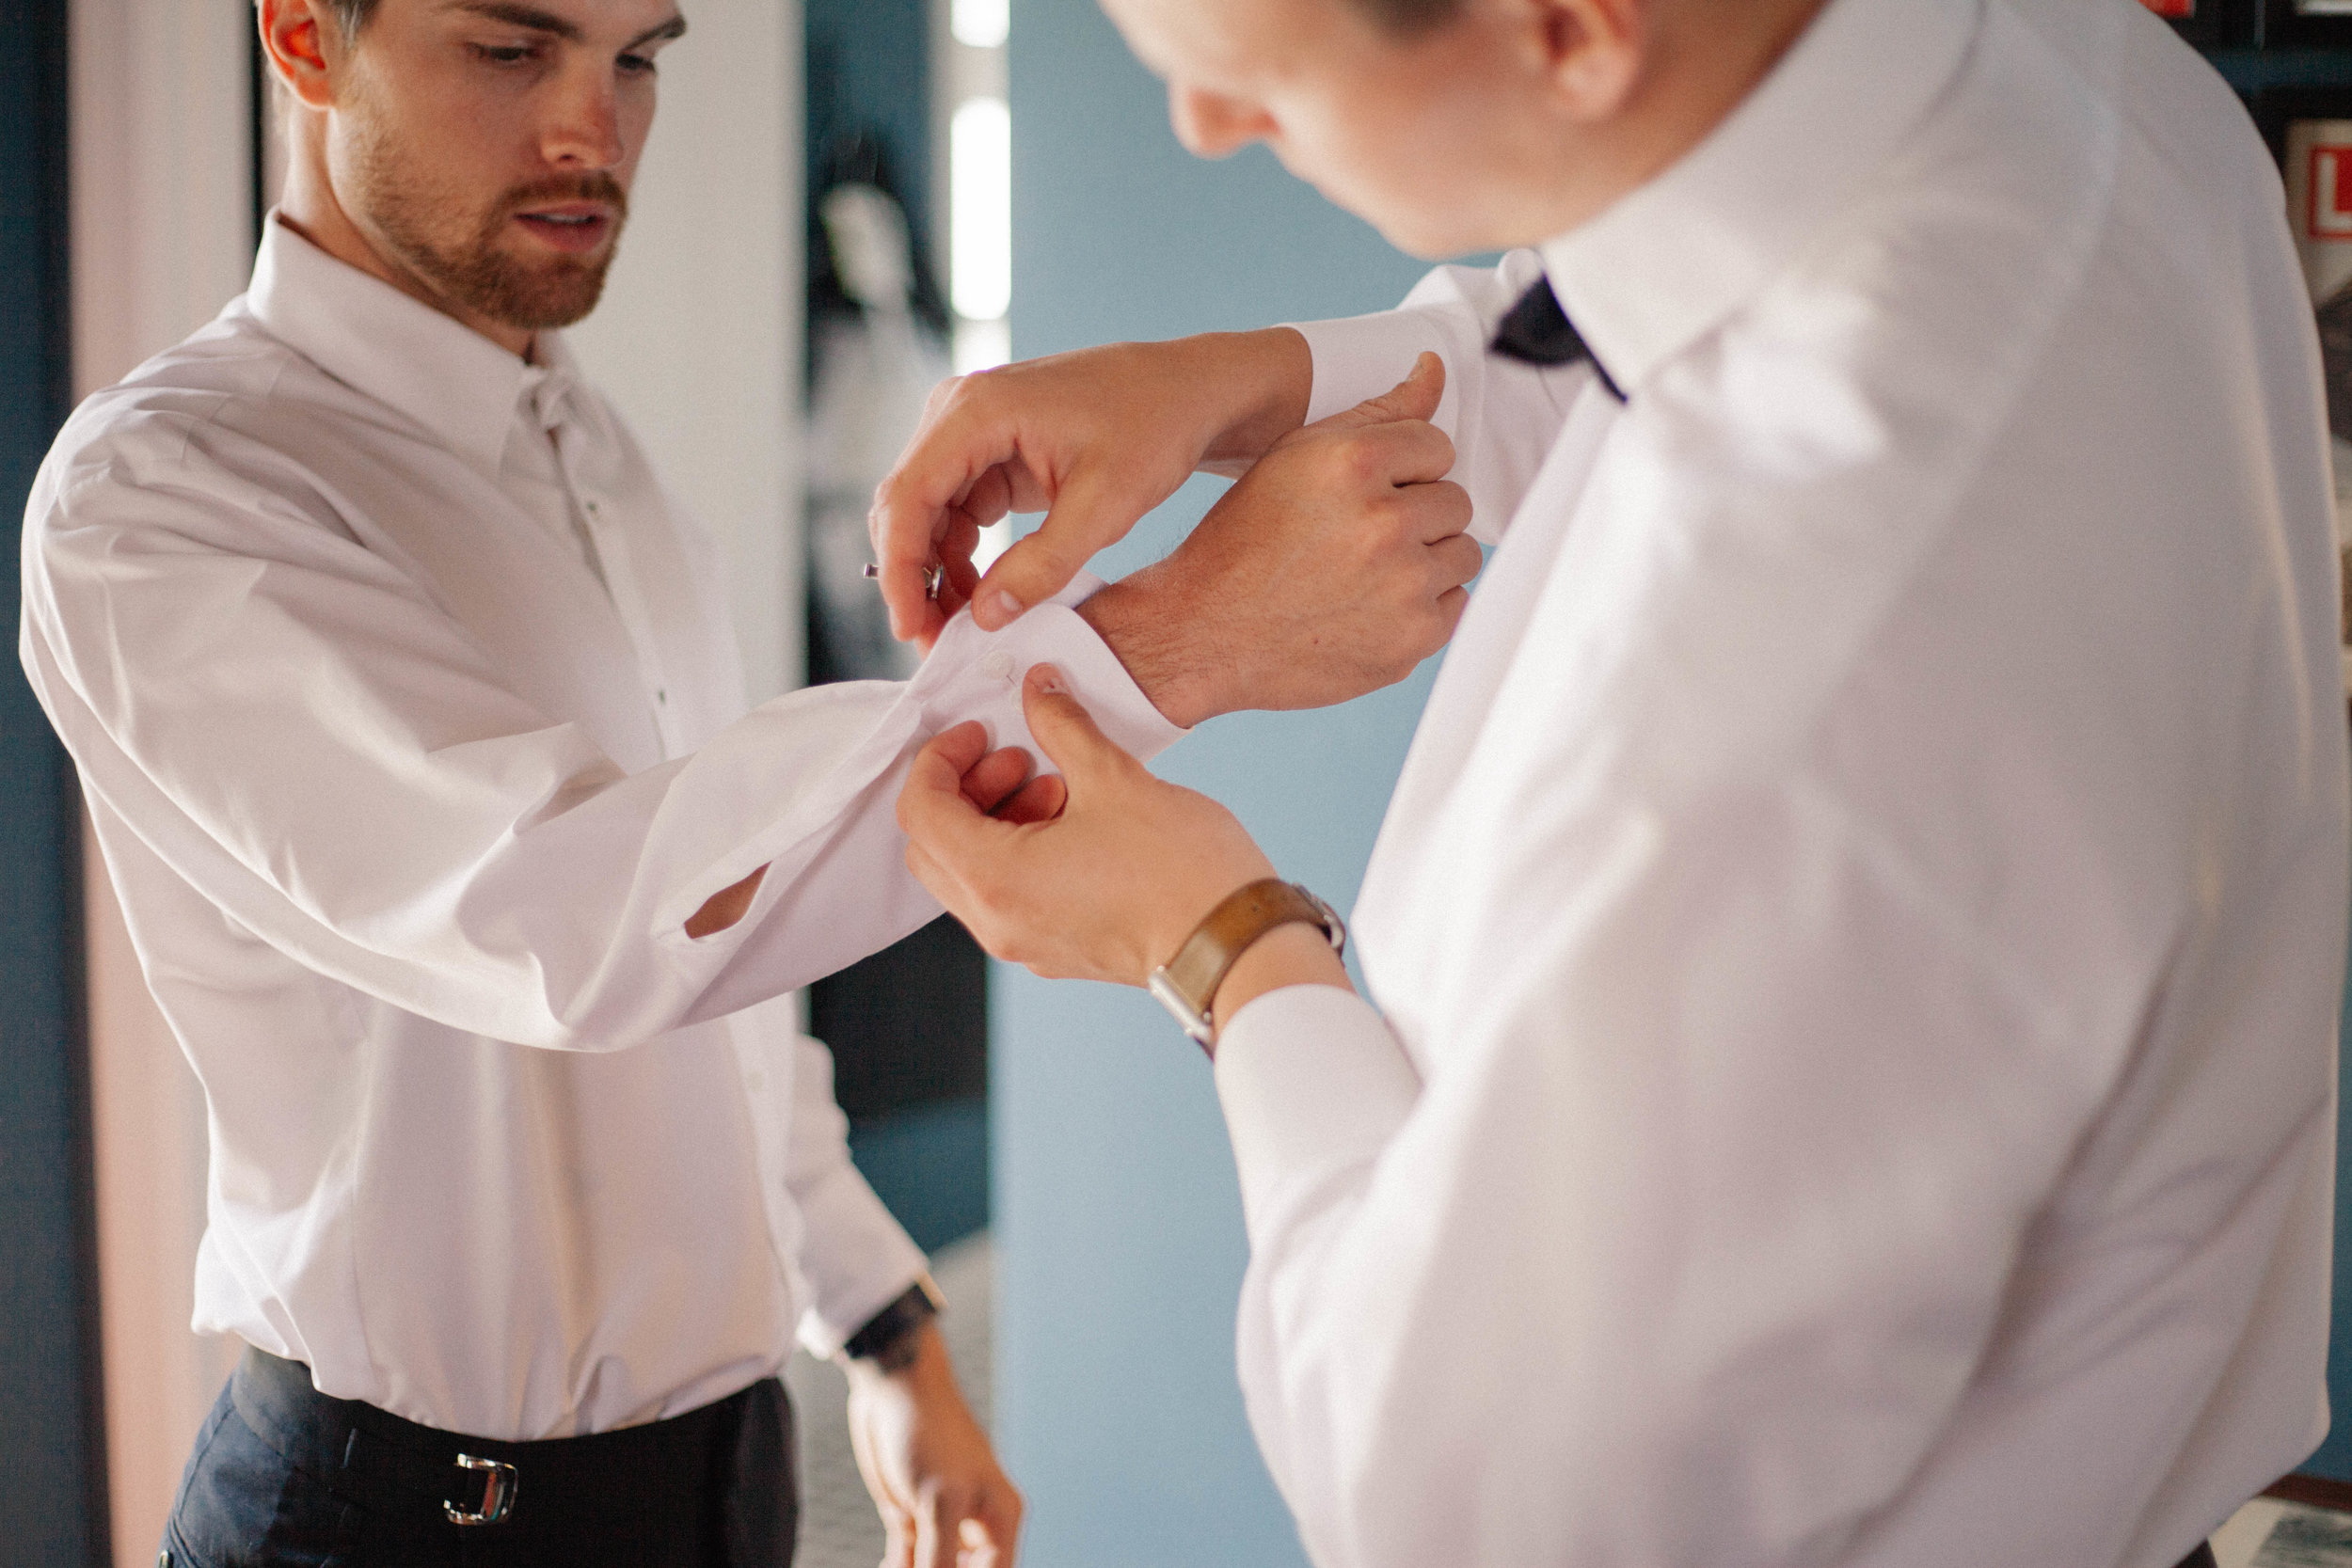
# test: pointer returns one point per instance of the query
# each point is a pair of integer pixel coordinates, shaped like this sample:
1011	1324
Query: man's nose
583	125
1211	125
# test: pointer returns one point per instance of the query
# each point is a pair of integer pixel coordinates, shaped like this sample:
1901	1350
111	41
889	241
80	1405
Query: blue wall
1119	1234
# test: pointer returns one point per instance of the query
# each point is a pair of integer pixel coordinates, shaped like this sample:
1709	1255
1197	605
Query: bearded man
404	702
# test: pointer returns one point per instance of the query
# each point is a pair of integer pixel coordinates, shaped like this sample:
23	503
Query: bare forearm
1152	626
1271	373
1288	956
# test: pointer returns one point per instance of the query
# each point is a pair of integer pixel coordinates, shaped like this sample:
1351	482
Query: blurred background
866	196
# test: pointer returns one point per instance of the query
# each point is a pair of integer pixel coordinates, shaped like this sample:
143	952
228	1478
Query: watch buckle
1189	1018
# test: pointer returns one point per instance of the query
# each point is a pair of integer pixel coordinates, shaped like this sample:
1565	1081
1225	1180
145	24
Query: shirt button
591	509
662	697
998	664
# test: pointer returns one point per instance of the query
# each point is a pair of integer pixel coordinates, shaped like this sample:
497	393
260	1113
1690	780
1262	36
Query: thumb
1087	513
1065	732
1416	397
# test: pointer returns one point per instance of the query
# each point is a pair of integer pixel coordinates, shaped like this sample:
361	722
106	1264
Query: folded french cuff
1312	1082
1361	357
977	675
971	675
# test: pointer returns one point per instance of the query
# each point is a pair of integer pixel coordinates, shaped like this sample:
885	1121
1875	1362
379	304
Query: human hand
1330	569
1106	890
1096	439
943	1499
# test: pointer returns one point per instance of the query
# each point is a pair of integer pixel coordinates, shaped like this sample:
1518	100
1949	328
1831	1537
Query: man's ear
1591	51
303	40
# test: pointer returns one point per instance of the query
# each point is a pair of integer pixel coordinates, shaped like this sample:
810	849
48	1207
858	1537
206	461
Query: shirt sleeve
1503	415
292	722
854	1257
1713	1190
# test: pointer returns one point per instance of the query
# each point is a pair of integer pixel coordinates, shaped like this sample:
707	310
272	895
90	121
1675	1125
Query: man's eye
635	65
506	53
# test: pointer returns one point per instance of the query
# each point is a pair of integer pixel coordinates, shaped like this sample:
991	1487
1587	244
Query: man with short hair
406	708
1848	1073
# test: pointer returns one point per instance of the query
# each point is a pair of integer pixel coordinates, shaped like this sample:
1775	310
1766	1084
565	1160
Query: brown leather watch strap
1239	920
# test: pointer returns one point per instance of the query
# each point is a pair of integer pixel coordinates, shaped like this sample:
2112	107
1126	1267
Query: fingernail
1008	607
1047	680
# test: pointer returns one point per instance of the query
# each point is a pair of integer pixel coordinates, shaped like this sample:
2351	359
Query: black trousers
282	1475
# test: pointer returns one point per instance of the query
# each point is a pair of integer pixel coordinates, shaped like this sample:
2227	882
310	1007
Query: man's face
485	147
1432	137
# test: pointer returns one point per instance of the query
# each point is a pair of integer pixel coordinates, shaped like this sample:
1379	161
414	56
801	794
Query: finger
999	1521
935	1546
1416	397
957	544
991	496
1039	800
1409	451
989	782
1087	513
1440	510
961	746
909	512
933	809
1065	732
938	767
1456	560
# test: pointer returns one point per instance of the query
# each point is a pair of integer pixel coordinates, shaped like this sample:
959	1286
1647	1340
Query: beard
468	264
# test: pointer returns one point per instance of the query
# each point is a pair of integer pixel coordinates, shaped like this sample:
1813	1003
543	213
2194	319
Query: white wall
698	340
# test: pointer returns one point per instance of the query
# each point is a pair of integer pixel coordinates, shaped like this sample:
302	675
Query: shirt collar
433	369
1672	260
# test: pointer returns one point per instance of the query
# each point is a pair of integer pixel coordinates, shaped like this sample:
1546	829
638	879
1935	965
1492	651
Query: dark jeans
282	1475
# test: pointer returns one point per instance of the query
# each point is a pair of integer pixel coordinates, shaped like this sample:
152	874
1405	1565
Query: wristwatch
1186	984
889	1338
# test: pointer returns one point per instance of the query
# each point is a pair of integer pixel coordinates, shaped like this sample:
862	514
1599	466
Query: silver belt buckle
498	1486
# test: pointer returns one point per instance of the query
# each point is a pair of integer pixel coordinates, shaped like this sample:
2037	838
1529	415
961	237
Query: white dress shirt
1857	938
408	708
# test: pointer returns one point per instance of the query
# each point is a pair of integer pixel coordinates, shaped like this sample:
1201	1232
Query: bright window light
982	23
985	346
980	150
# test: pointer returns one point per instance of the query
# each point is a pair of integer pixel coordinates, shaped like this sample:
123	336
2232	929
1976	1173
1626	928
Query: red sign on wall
2178	11
2330	214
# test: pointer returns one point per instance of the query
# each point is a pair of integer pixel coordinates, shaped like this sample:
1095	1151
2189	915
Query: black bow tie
1539	332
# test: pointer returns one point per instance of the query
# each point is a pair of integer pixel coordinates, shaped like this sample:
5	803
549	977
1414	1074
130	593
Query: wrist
921	1367
1269	372
1287	956
892	1340
1147	623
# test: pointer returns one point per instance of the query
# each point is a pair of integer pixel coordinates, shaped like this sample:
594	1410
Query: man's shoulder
229	405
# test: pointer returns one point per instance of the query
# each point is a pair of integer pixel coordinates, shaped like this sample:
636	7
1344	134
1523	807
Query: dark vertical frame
52	1476
909	1025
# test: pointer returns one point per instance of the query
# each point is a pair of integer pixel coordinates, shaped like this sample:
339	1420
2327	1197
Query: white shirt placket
606	545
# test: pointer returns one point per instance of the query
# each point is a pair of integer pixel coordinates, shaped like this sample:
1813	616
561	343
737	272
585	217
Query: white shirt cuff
1313	1084
973	673
858	1260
